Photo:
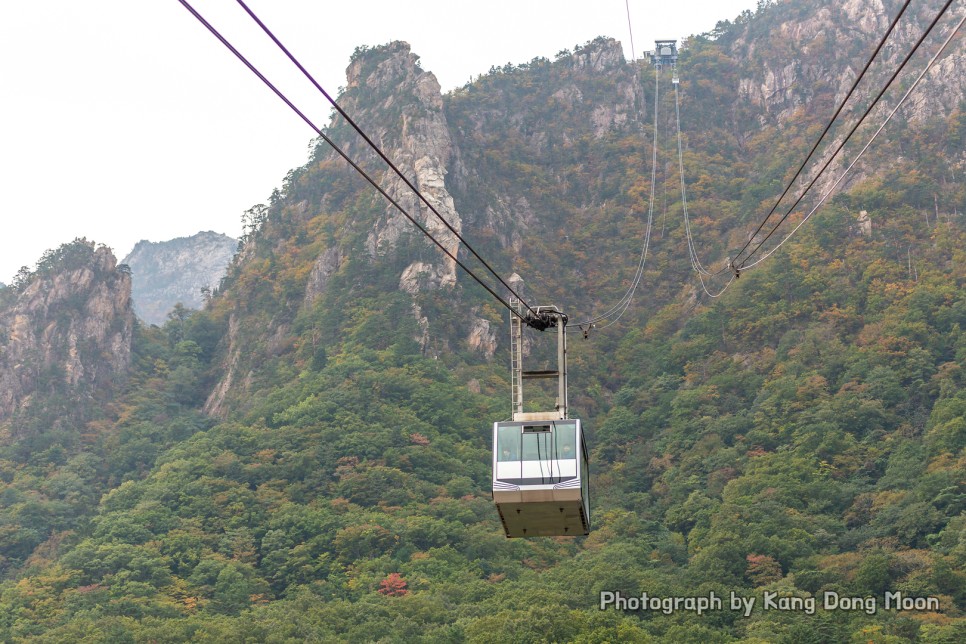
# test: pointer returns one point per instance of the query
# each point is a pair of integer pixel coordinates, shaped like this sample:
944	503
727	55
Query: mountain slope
801	435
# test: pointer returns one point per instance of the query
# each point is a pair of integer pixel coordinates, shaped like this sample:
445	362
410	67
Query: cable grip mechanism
542	318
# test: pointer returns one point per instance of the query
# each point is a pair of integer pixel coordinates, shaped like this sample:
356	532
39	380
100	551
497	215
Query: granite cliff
166	273
66	330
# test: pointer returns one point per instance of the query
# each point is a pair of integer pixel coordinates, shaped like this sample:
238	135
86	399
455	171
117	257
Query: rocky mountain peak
166	273
382	67
401	108
67	328
599	55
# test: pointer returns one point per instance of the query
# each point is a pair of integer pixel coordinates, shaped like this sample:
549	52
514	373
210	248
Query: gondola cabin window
537	454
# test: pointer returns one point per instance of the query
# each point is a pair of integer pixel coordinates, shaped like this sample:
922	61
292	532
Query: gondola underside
542	513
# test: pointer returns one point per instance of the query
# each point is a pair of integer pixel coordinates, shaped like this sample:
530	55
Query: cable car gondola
665	52
540	472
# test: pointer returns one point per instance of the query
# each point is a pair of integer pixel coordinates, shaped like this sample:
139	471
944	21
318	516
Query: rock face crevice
69	330
214	405
326	265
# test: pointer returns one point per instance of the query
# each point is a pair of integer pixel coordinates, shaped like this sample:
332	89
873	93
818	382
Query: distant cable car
665	52
540	470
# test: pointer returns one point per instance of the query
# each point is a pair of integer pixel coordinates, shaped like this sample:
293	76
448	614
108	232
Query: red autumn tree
393	585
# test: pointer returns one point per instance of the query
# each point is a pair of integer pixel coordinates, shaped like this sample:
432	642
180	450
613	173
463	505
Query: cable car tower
540	472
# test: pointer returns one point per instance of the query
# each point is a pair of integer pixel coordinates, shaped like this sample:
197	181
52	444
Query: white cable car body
540	477
540	465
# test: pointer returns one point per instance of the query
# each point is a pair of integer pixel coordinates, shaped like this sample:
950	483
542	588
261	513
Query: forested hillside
307	458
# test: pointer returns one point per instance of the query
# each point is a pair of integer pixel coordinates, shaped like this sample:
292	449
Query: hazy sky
124	120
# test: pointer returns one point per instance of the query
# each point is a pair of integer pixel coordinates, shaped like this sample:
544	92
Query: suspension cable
692	250
828	127
867	145
735	265
341	153
379	151
625	301
630	30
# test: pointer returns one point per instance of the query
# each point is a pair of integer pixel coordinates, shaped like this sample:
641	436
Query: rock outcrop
166	273
68	330
325	267
420	146
826	48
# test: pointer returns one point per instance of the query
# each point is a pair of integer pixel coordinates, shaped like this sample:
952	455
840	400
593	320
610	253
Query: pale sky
124	120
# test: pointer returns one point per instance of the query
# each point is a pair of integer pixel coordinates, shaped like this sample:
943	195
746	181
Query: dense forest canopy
308	457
